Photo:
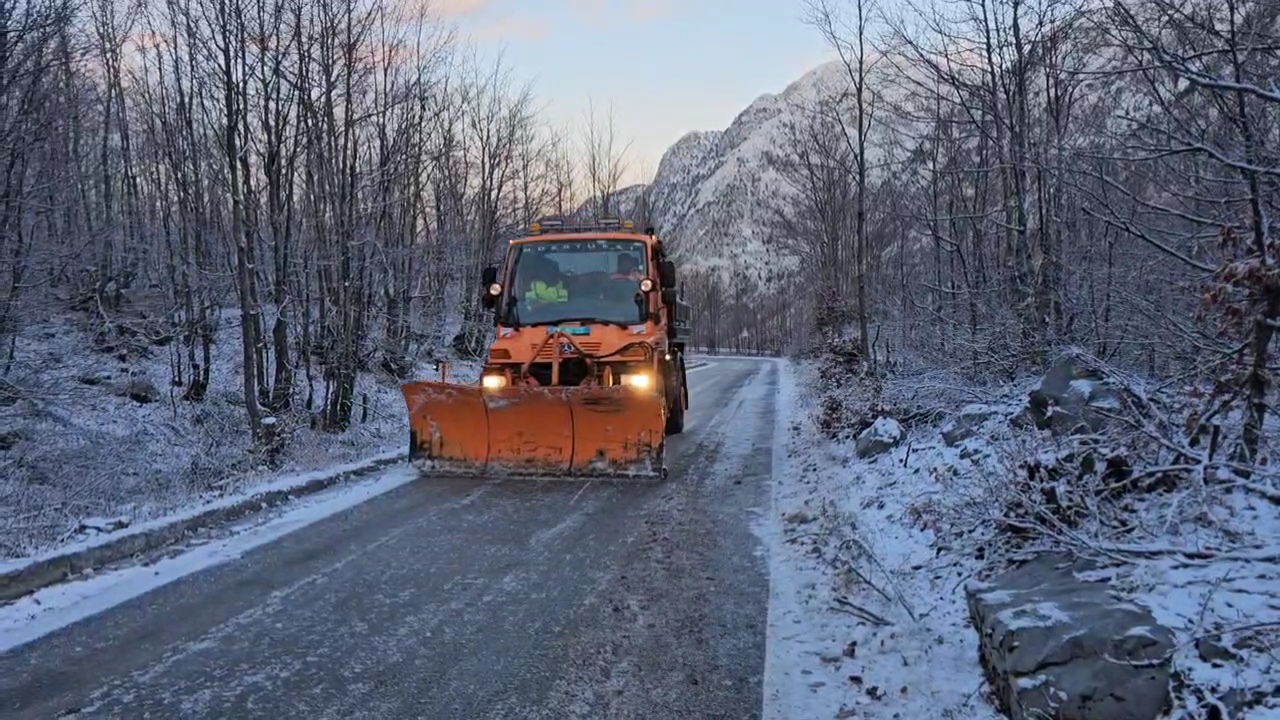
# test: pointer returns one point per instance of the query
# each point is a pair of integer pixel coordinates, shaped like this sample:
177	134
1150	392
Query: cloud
453	9
513	28
596	11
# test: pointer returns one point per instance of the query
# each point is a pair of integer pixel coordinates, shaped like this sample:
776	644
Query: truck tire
676	402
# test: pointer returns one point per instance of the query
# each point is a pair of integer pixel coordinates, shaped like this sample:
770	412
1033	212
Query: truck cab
587	304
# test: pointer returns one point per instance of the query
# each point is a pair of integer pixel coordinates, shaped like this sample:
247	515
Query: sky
666	66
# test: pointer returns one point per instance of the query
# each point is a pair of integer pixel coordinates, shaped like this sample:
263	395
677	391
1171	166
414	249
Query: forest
991	181
328	176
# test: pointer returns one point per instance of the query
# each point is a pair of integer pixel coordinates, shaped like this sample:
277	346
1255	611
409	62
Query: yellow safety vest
540	291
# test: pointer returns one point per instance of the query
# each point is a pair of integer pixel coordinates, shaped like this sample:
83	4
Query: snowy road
463	599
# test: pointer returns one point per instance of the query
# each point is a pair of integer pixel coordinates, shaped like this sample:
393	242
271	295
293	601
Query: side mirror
667	274
669	296
488	278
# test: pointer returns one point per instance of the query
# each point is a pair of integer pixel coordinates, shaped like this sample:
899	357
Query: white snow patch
1041	614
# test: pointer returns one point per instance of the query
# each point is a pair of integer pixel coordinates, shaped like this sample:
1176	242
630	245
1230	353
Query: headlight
646	285
493	382
638	380
495	289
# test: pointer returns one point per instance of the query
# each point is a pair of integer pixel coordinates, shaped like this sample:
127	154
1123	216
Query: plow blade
585	432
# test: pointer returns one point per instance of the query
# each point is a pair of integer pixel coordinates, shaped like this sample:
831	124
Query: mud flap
534	431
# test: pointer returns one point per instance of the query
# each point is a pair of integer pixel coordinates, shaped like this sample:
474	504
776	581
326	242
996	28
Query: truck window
576	279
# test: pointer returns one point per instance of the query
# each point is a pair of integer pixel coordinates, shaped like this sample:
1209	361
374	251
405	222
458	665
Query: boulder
883	435
965	423
9	439
1069	398
1053	645
140	390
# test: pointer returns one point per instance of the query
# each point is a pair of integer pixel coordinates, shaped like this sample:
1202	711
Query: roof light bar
545	226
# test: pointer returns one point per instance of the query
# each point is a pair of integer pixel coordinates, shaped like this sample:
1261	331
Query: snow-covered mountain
715	196
714	191
625	203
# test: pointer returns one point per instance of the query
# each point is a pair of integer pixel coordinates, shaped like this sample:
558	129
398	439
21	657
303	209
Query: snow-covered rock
140	390
1053	645
1071	395
965	423
883	435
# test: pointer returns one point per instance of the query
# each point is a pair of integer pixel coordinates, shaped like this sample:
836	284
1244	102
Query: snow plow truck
585	374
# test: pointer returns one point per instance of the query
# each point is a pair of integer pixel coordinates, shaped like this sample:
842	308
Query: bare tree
604	158
848	36
564	173
31	33
1209	71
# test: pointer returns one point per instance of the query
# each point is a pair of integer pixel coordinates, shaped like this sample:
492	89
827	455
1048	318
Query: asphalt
462	599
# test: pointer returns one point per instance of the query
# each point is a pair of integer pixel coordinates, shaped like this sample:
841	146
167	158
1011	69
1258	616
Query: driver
548	284
628	268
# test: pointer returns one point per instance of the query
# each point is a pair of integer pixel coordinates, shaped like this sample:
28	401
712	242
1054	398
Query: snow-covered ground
80	459
866	620
870	557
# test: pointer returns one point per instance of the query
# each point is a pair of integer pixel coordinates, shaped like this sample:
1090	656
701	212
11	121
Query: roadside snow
55	607
79	456
286	483
869	557
865	620
1221	596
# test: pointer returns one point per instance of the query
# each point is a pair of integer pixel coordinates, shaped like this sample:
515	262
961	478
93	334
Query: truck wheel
675	408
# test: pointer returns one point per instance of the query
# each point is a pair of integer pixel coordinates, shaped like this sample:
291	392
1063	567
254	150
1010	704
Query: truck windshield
555	281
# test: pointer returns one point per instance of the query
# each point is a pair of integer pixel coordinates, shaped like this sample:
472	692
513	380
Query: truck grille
548	351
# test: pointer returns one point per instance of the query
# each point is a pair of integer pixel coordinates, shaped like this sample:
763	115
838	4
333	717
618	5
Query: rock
966	422
883	435
1069	397
9	439
141	391
103	525
1215	652
1053	645
799	517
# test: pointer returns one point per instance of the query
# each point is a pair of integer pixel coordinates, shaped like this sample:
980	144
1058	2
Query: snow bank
116	530
81	458
866	619
871	555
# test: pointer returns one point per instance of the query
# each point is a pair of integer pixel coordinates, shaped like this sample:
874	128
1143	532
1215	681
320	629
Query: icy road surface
462	599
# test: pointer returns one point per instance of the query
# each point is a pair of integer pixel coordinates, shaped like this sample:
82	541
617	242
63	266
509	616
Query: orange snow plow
587	385
533	430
